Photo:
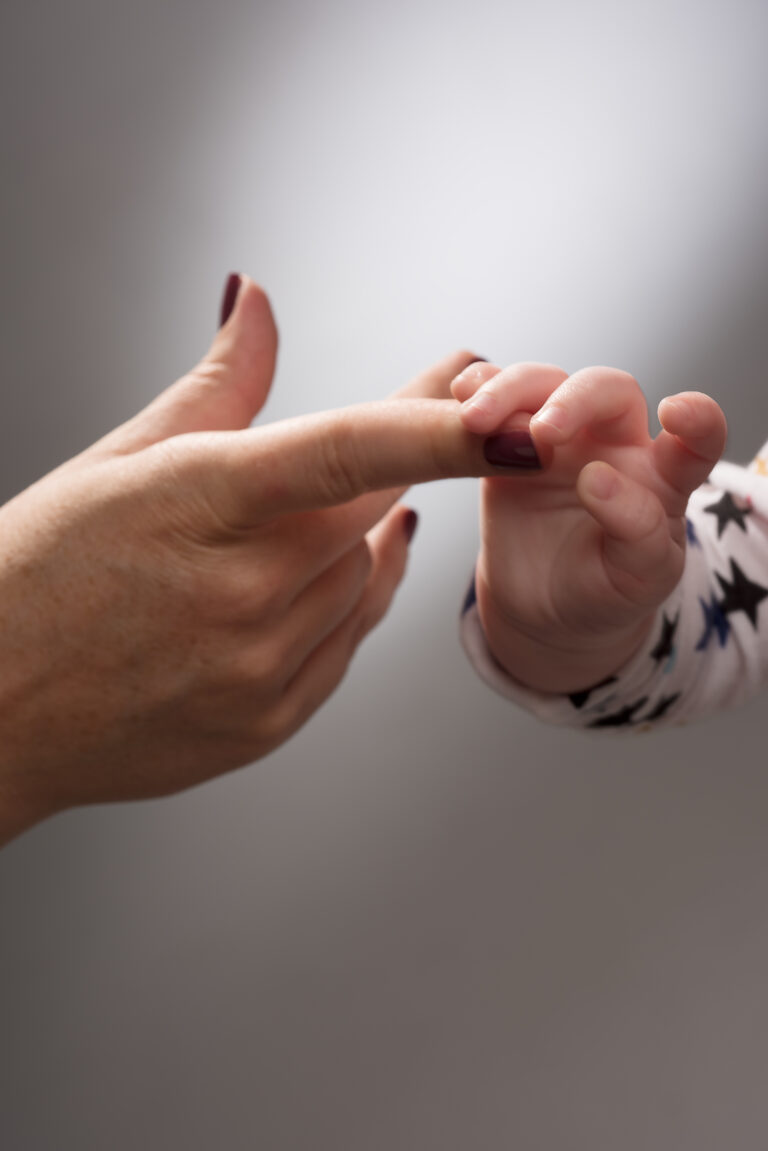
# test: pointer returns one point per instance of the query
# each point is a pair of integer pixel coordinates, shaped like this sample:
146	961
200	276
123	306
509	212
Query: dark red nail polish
410	523
514	449
229	299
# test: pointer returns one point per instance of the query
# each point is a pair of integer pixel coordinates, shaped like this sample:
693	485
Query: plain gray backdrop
428	923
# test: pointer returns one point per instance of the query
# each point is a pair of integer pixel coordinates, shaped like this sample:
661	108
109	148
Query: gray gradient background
428	922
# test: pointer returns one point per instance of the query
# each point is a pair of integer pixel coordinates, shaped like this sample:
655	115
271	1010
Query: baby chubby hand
586	537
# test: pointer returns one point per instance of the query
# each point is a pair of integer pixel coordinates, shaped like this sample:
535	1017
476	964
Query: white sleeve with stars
709	646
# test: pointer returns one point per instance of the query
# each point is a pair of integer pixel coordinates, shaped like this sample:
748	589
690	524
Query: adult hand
179	599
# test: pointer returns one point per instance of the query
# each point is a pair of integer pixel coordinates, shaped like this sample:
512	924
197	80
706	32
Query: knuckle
258	675
268	592
601	373
185	467
228	590
598	380
341	469
172	459
269	670
441	453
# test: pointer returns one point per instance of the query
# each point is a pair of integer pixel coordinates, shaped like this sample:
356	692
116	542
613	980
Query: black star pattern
470	598
621	718
579	698
714	621
728	512
662	707
741	594
665	646
690	532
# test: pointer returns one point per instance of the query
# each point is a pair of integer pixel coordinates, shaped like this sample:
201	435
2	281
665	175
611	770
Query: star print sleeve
709	646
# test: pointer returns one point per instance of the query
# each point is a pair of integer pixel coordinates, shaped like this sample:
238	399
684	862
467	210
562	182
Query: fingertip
598	481
246	303
674	411
460	389
471	379
254	305
389	542
696	421
483	410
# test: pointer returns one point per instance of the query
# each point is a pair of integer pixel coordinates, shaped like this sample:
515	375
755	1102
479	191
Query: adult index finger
330	458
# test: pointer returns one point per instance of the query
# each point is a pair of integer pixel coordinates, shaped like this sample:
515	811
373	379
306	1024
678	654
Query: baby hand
577	554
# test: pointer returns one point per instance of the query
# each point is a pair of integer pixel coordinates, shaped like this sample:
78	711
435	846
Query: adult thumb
226	389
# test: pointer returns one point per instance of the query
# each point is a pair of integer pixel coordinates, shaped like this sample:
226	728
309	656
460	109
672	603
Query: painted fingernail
514	449
229	299
410	523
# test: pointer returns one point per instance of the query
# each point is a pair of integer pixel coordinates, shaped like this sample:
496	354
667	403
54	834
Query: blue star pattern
715	623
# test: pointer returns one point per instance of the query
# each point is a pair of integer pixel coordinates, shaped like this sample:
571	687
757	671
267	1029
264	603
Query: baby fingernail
514	449
603	482
410	523
229	298
554	415
482	401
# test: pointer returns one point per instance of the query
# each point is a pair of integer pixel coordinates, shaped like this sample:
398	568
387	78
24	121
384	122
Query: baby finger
643	550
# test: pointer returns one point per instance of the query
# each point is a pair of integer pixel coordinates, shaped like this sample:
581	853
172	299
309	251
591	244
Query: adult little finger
326	666
325	604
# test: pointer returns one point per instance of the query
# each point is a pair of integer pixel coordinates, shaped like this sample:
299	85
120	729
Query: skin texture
576	557
179	599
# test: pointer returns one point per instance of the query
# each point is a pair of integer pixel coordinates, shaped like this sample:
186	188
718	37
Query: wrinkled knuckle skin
172	459
442	456
341	472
